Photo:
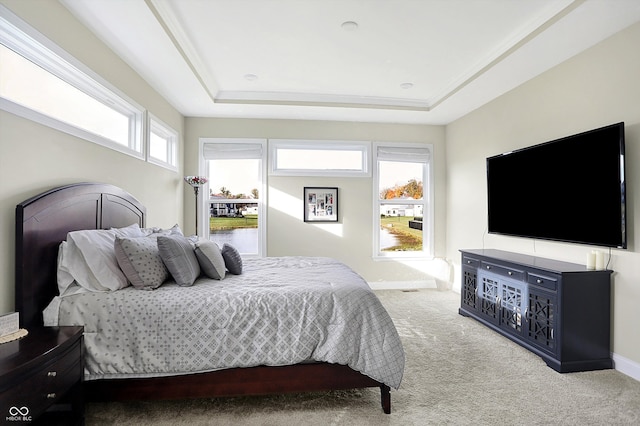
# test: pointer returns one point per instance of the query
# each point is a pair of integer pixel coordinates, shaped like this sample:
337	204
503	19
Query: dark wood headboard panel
43	221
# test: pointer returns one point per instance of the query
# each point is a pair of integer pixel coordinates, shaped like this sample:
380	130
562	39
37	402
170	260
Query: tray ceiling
403	61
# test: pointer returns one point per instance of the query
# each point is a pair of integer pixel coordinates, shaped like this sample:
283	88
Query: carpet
458	372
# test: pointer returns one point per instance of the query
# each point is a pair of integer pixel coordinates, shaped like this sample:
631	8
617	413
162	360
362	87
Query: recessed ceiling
401	61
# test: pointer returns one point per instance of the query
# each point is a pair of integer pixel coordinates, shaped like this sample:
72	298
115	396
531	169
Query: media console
560	311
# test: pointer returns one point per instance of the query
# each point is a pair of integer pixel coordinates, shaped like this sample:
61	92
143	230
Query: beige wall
34	158
351	239
598	87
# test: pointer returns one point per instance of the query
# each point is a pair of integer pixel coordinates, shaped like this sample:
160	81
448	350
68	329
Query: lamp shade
195	181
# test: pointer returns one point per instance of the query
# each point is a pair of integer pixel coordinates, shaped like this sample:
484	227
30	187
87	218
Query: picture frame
320	204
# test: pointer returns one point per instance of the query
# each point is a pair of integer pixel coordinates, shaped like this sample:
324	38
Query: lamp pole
196	188
196	182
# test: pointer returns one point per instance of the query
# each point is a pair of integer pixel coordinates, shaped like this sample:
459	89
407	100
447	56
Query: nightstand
41	377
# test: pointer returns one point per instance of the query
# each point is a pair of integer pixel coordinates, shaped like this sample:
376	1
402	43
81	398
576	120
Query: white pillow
89	258
131	231
65	259
174	230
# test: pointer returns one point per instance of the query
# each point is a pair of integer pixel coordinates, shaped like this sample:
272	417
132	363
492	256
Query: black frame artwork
320	204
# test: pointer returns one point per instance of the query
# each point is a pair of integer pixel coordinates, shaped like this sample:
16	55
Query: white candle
591	260
599	260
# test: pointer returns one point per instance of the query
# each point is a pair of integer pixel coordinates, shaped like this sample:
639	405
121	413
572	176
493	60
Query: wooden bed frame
43	221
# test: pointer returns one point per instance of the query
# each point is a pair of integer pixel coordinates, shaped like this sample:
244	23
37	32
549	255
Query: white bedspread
280	311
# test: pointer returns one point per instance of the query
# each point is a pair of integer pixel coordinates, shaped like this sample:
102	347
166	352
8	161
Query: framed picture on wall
320	204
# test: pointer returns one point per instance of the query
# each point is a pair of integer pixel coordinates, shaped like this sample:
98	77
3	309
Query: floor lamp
196	182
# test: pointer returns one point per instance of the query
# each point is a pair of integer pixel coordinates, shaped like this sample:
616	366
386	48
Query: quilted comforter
280	311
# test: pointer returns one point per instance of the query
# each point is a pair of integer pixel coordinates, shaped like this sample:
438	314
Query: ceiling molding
167	19
319	100
524	37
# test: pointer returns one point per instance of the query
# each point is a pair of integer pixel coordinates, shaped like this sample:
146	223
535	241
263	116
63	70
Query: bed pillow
174	230
177	254
210	259
232	259
73	271
139	259
131	231
89	258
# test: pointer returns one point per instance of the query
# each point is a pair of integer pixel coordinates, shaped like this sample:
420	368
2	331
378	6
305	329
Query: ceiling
400	61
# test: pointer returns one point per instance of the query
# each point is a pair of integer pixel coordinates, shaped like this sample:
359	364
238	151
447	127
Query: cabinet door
513	295
469	291
488	296
541	319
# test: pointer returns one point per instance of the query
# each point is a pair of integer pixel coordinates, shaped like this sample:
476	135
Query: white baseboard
626	366
403	285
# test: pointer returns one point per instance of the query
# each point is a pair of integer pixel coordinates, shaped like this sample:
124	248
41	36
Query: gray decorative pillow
232	259
177	253
210	259
140	261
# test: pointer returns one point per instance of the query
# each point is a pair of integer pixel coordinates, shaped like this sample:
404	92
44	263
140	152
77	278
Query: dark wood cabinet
41	377
558	310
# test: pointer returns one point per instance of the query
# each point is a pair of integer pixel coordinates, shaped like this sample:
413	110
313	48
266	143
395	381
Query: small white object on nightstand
9	323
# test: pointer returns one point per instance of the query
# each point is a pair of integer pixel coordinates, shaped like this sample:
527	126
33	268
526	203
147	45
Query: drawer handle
488	267
52	374
510	273
539	281
51	395
469	262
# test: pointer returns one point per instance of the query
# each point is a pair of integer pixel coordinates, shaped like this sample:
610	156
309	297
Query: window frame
25	41
427	202
320	145
171	136
203	167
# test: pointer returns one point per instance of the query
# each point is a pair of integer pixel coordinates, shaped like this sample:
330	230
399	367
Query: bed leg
385	398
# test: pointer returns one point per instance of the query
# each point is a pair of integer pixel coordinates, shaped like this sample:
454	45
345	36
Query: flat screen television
570	189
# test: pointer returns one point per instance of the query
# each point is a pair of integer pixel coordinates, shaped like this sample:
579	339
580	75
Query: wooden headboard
42	222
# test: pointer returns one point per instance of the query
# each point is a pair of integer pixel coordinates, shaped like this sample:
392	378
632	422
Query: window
163	144
319	158
41	82
403	201
235	208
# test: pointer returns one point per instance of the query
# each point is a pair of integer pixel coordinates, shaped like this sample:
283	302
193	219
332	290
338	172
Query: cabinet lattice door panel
511	302
488	293
469	288
541	317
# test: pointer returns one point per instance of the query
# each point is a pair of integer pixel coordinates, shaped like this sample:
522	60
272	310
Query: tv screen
571	189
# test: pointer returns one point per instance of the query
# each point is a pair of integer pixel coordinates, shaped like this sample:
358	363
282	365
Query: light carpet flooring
458	372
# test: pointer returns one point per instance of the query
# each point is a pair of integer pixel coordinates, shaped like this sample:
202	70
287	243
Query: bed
44	221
